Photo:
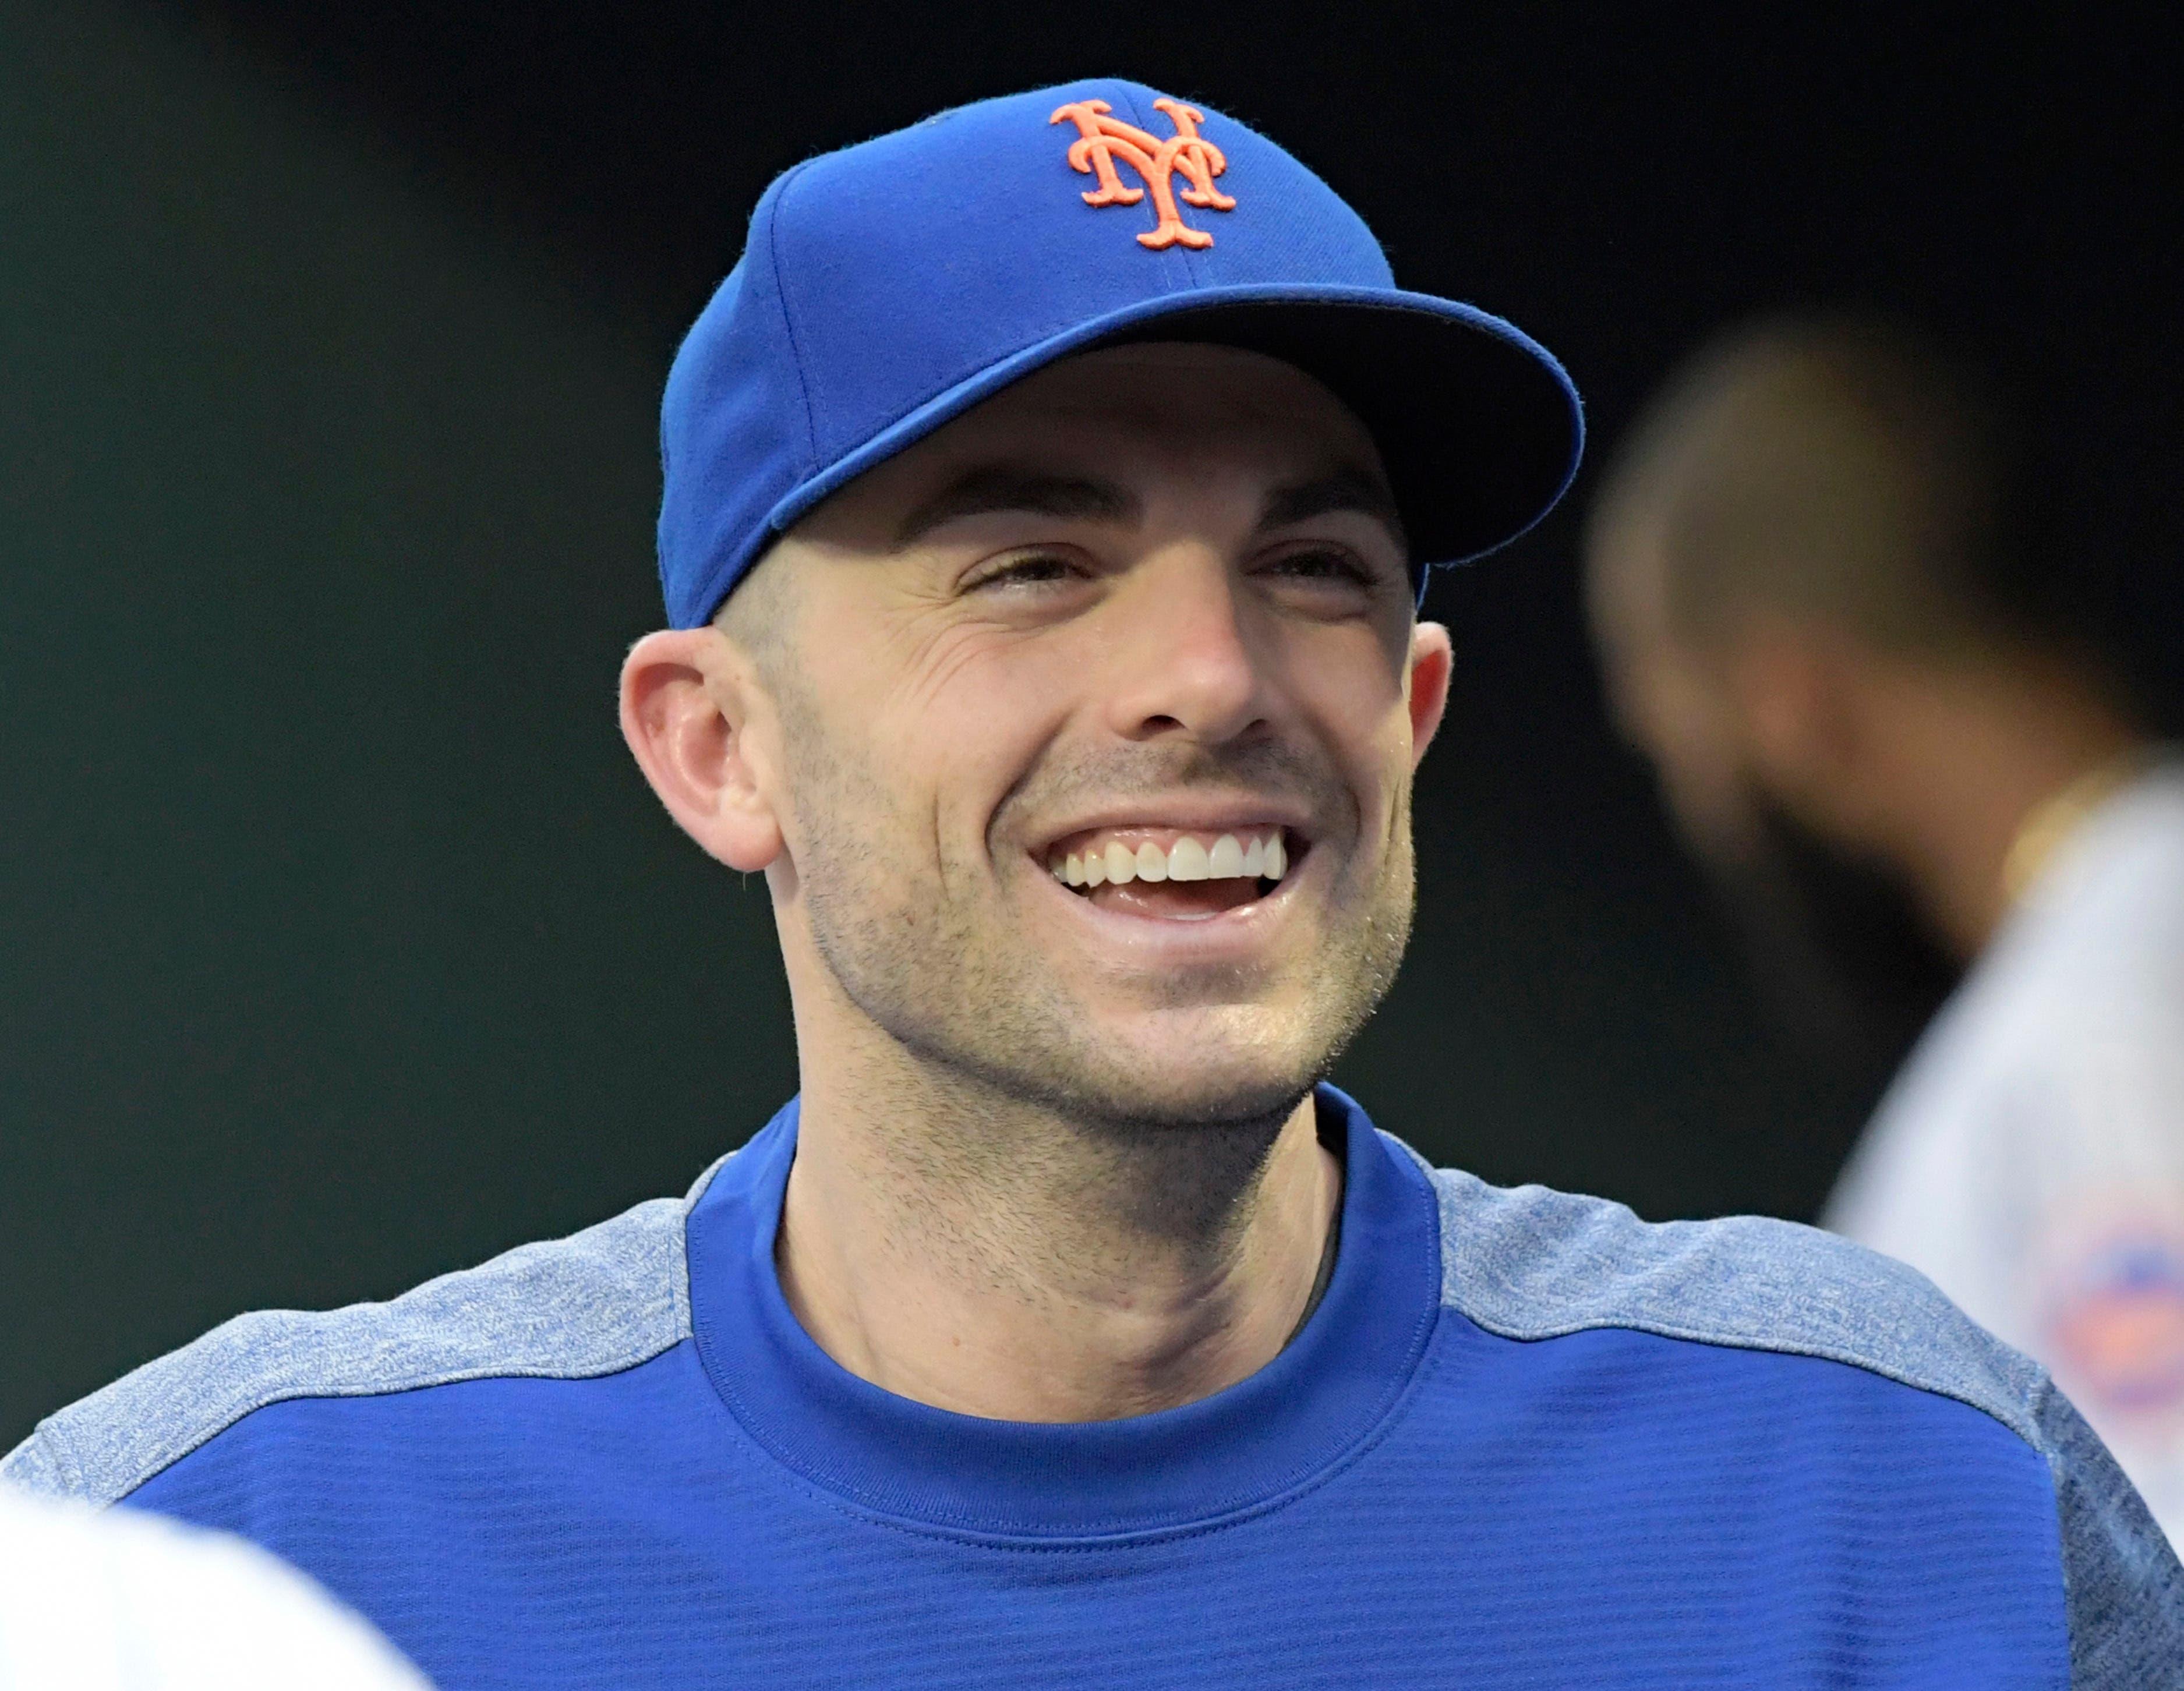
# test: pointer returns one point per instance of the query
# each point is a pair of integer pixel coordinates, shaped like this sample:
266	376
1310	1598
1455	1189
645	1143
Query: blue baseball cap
892	286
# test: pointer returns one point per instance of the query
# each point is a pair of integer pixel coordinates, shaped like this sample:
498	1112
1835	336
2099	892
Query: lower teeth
1260	888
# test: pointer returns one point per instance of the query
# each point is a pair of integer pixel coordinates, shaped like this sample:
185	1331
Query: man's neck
987	1257
1978	763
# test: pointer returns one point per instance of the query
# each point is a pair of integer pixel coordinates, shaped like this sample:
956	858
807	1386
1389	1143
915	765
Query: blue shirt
1525	1440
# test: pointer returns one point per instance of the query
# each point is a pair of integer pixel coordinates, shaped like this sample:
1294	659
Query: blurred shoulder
595	1303
119	1598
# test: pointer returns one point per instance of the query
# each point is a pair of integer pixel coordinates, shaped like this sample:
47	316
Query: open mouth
1175	873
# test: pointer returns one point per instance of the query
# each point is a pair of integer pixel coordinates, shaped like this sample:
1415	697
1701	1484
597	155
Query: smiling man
1047	497
1076	741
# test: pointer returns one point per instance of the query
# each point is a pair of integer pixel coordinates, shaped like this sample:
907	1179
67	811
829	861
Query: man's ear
1796	688
689	705
1433	665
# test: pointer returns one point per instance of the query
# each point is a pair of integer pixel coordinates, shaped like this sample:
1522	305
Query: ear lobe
1432	669
688	709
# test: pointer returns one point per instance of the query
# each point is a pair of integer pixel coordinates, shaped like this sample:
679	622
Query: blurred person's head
1814	581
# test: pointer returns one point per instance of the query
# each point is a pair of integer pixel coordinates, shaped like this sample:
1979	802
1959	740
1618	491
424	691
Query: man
1817	583
129	1602
1045	496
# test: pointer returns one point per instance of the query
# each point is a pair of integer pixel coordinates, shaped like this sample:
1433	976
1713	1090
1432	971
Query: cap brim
1480	427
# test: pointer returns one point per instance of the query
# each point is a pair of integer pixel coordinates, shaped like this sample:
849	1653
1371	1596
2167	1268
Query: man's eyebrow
1348	487
1000	488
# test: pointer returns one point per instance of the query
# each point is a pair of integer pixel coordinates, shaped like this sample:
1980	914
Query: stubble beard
948	978
1852	968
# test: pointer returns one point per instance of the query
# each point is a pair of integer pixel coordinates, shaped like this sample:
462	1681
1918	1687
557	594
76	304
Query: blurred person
1048	495
1823	583
127	1601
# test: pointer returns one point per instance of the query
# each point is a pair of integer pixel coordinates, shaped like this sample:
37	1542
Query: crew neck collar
1244	1448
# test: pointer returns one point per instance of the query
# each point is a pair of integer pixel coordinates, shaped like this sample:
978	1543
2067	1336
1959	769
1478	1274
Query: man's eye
1324	565
1025	572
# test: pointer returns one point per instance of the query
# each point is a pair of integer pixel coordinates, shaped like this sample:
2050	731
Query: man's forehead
1625	576
1337	485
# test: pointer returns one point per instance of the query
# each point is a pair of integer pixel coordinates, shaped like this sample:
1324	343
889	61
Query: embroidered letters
1101	140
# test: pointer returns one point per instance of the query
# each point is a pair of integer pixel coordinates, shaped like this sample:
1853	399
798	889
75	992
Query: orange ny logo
1101	140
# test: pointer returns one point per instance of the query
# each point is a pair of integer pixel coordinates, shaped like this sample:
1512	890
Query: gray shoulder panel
1528	1263
2125	1590
596	1302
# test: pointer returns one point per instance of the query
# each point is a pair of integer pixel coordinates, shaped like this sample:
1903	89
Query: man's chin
1186	1106
1214	1063
1201	1082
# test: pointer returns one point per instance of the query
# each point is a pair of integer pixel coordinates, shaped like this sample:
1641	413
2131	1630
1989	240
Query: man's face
1835	935
1098	720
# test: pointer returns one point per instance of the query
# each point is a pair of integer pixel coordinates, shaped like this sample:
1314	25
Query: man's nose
1185	659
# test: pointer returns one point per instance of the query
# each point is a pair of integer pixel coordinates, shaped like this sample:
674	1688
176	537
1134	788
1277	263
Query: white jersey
122	1601
2030	1157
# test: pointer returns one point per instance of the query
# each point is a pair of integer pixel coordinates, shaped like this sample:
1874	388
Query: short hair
1829	466
756	616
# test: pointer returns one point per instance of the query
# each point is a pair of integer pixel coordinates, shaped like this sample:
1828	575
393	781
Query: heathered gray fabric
595	1303
1527	1262
2126	1592
1530	1263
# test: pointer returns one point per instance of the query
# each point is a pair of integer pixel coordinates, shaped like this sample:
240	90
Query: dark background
340	944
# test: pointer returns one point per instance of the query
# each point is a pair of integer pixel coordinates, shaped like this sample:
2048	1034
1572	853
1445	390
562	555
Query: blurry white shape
2029	1159
124	1601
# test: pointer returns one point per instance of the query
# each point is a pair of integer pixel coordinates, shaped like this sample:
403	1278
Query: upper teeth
1191	858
